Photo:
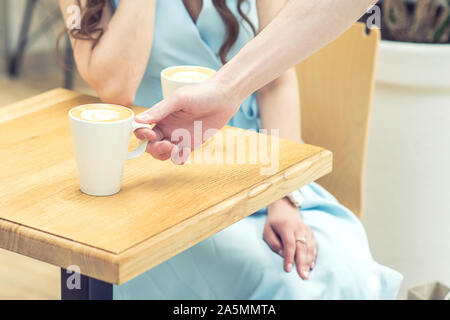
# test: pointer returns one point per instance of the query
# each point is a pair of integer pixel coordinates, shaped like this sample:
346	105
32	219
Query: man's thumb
158	112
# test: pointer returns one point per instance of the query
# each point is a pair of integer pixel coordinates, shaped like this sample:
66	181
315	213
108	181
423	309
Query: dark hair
92	14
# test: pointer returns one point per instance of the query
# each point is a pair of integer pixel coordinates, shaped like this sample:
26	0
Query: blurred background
29	66
29	63
407	214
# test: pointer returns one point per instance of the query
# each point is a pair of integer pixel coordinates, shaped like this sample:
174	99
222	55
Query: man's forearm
301	28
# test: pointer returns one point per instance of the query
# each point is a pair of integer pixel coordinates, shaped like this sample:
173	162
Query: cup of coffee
101	136
176	77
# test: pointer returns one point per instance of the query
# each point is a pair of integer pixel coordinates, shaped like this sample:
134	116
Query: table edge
145	254
121	267
36	103
58	251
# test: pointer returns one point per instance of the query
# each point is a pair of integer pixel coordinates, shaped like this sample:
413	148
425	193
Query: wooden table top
162	209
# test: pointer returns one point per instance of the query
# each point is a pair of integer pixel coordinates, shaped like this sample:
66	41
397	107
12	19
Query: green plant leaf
441	29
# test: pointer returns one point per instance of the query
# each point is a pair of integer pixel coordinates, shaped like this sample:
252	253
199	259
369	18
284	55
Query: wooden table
162	209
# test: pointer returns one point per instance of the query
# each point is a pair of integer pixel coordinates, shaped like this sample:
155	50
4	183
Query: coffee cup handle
139	151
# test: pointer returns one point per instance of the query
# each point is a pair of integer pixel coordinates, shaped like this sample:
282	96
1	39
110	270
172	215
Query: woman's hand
284	231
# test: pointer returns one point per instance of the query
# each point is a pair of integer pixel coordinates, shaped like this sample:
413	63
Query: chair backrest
336	88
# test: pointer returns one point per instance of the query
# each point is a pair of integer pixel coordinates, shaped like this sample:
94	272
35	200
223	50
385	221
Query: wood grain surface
162	209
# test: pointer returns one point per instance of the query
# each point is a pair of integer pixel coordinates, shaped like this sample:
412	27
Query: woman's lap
236	263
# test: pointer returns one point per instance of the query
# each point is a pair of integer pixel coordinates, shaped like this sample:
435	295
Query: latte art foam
101	113
188	74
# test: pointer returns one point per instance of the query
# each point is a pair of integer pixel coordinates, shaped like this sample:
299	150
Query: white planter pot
407	214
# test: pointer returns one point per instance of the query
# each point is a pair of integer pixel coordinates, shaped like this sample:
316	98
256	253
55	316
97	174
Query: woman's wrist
282	203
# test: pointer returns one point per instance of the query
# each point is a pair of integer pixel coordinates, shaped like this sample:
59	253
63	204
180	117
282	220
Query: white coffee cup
101	148
175	77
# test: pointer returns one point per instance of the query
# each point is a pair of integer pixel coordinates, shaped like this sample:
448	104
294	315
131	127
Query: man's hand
208	102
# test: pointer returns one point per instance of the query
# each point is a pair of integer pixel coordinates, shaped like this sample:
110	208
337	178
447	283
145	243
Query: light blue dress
236	263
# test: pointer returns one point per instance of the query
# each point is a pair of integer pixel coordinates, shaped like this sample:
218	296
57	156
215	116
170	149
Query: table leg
88	289
69	65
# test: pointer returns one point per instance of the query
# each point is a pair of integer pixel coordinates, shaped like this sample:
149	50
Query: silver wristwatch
296	198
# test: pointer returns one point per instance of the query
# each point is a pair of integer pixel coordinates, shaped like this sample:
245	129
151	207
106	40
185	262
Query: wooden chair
336	87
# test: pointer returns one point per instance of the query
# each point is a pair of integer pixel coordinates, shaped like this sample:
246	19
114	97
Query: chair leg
16	58
5	27
69	65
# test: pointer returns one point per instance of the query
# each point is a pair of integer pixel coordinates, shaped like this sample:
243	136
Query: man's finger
163	157
159	111
180	154
146	134
154	134
158	148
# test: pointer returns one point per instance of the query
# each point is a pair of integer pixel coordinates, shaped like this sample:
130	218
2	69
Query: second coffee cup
173	78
